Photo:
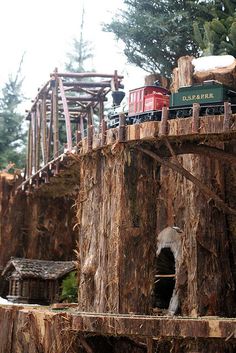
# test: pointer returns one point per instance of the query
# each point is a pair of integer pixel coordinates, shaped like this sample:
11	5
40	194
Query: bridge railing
63	111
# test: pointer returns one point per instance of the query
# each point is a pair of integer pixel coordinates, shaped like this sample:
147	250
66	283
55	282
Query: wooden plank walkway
211	129
154	327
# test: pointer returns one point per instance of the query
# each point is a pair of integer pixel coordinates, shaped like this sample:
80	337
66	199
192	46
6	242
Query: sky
44	30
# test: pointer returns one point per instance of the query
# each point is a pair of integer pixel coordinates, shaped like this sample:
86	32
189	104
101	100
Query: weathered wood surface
156	327
206	271
225	75
185	75
210	128
44	322
107	245
150	80
35	227
185	71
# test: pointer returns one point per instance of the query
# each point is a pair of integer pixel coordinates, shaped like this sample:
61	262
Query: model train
146	103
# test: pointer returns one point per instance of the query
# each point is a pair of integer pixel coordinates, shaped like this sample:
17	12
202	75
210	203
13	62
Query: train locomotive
146	103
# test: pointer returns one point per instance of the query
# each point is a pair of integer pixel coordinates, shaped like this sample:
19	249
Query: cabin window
164	279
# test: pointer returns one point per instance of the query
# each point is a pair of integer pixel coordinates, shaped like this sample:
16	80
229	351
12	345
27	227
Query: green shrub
70	288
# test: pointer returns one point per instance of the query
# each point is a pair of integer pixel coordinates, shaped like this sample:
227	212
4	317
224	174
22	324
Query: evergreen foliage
70	288
218	35
12	136
81	51
157	32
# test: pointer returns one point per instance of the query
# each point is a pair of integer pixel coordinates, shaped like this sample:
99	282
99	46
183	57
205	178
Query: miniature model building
36	281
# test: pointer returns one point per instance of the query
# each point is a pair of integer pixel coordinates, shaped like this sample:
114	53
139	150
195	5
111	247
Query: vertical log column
55	115
196	119
67	115
116	244
34	132
164	122
90	129
121	136
81	124
101	115
227	116
103	132
185	71
29	151
44	129
38	135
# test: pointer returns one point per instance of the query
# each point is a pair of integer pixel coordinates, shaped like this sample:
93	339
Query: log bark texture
34	330
116	231
205	281
34	227
184	74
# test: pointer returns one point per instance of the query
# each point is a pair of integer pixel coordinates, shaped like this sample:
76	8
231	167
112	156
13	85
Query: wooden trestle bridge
65	106
62	126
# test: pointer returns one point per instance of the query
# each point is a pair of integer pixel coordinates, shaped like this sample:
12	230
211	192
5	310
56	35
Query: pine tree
218	36
12	136
82	51
157	32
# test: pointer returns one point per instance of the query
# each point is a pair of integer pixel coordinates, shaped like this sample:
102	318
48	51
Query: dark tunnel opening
164	279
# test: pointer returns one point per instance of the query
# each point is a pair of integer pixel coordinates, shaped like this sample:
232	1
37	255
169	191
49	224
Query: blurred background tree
12	134
157	32
82	51
80	60
218	36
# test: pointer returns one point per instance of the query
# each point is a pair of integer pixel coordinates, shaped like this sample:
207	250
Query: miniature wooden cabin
35	281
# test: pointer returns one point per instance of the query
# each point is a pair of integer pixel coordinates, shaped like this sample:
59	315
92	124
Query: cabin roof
42	269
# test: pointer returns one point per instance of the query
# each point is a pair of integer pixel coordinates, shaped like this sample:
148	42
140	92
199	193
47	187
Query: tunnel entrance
164	279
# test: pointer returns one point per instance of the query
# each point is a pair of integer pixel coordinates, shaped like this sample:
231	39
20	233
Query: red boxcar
146	99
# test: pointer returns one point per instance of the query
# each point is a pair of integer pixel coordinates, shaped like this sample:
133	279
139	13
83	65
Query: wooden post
227	116
78	137
46	178
164	122
90	137
101	114
90	116
114	81
121	137
82	125
49	140
103	132
38	135
196	120
54	83
33	121
67	115
175	80
56	168
44	129
185	71
150	347
29	164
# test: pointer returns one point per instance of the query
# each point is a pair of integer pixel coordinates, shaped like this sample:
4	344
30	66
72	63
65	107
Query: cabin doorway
164	279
